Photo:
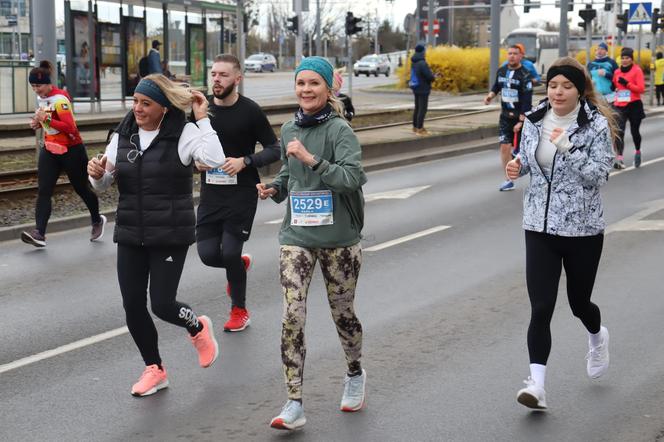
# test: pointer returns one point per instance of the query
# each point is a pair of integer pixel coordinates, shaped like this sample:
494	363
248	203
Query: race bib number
510	95
219	177
311	208
624	96
610	98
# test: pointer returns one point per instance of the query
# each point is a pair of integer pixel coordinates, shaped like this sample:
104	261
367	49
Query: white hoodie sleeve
199	142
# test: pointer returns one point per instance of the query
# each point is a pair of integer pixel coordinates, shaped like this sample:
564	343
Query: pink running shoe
205	343
248	260
151	381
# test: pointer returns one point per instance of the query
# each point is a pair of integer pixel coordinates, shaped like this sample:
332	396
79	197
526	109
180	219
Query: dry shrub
457	69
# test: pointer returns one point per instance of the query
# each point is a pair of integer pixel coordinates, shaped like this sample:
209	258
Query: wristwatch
247	161
316	164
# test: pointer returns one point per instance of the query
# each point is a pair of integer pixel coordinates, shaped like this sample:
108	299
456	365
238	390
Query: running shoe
33	238
637	158
98	229
422	132
354	389
598	357
532	396
506	186
291	417
205	343
151	381
618	164
247	260
239	320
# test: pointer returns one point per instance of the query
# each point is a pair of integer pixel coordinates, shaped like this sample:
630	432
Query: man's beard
225	92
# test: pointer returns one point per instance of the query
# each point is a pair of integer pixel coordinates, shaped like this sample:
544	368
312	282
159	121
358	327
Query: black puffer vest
156	206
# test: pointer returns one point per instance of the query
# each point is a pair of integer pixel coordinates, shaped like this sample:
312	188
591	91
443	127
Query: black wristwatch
316	165
248	161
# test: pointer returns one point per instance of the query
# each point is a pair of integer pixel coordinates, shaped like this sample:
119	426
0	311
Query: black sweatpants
224	250
162	266
659	91
545	256
633	113
75	163
421	105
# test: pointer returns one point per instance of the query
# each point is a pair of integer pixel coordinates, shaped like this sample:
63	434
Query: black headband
39	78
573	74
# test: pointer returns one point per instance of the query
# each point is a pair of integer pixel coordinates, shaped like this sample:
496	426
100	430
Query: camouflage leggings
340	268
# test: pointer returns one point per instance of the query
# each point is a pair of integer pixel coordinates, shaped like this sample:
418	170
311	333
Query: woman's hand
233	166
297	150
34	124
202	167
555	133
265	192
97	167
199	105
41	115
513	168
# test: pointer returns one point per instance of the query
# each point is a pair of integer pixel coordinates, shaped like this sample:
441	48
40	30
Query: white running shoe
598	357
354	391
290	418
532	396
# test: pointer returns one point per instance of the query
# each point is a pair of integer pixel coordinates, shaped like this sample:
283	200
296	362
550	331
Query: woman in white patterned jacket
567	149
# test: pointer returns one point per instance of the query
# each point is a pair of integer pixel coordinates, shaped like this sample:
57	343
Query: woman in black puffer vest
150	156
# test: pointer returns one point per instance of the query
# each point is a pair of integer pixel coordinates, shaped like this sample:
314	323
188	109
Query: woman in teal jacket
322	178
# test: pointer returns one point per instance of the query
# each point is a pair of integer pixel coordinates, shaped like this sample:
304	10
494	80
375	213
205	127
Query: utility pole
241	48
43	28
376	46
298	36
495	41
319	49
432	14
564	29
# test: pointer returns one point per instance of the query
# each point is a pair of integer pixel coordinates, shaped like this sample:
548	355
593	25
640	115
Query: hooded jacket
567	202
423	72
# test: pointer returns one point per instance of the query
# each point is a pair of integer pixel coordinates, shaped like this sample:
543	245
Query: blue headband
319	65
150	89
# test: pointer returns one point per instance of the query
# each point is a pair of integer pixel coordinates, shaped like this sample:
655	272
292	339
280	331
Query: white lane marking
630	168
63	349
275	221
406	238
637	223
397	194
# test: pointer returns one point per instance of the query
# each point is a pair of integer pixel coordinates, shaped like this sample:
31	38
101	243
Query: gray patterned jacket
568	202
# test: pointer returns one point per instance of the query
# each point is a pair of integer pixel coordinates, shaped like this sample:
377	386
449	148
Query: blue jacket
423	72
603	84
568	202
154	62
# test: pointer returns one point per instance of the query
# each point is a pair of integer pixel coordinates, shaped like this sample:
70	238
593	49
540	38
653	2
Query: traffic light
655	25
293	25
372	47
351	24
530	4
608	5
587	15
582	25
622	20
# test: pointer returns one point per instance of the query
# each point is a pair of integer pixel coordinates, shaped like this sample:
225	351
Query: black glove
622	81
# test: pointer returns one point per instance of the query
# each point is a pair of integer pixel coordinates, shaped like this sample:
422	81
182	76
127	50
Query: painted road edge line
63	349
406	238
630	168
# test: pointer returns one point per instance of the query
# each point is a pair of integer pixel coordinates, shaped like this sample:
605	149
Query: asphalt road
444	315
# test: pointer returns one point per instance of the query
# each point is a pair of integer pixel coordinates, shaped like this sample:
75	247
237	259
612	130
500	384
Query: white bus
541	46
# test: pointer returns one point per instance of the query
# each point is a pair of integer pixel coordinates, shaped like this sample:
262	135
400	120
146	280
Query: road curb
397	153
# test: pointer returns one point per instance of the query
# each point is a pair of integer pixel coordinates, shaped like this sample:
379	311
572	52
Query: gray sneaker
290	418
98	229
354	388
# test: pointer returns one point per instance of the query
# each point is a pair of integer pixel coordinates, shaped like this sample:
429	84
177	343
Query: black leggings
659	90
545	255
74	163
163	267
421	105
633	113
225	251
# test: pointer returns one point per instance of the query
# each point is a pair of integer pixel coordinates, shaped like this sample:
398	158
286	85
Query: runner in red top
61	150
629	84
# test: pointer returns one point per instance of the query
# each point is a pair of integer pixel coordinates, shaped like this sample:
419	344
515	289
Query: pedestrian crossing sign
640	13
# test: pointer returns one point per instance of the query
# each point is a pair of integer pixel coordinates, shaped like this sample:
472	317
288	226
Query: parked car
372	64
260	63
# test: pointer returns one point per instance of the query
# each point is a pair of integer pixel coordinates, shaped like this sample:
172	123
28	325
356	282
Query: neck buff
304	120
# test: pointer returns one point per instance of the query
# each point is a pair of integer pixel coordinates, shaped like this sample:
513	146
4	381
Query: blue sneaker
637	159
290	418
507	185
354	387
